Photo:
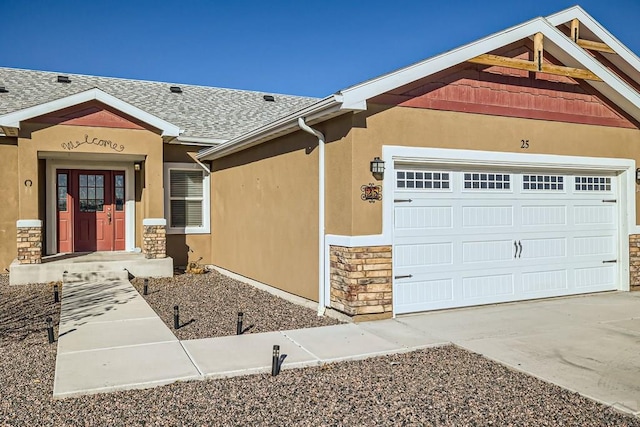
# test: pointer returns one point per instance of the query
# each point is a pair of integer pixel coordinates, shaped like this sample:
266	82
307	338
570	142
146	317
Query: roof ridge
156	81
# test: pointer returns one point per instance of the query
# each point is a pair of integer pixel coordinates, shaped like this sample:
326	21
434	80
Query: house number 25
524	143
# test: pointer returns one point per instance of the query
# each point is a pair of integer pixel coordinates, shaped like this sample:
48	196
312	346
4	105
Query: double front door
90	210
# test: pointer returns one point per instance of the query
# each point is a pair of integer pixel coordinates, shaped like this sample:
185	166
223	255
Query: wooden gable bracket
587	44
537	65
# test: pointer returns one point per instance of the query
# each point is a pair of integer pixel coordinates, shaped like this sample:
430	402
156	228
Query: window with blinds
186	195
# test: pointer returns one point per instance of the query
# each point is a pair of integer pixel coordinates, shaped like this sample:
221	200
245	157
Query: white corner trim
154	221
13	120
24	223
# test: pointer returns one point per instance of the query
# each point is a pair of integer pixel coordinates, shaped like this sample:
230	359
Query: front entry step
53	268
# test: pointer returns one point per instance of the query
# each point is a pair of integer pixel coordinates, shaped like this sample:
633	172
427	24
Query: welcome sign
97	142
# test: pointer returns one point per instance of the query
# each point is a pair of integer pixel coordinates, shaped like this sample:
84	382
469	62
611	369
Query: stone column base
154	238
29	241
361	283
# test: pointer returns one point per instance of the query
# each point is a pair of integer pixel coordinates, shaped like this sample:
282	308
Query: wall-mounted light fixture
136	166
377	167
638	175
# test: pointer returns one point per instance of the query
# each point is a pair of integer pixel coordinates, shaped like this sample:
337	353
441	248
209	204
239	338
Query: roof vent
3	89
268	98
175	89
64	79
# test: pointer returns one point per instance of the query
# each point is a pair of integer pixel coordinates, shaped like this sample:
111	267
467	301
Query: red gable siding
509	92
90	114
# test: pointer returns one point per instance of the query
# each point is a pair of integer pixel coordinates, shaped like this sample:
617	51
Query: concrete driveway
589	344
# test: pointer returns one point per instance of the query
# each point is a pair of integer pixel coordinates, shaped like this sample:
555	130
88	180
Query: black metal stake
146	287
50	330
239	325
56	296
176	317
275	361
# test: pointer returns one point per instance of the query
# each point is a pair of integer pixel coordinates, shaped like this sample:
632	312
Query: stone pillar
634	262
29	241
361	283
154	238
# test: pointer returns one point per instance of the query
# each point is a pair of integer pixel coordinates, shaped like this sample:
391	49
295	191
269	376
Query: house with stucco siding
503	170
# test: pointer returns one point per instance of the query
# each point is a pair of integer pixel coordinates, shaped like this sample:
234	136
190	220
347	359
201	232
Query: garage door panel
550	282
487	216
603	246
486	287
543	248
424	254
424	292
544	216
595	215
595	278
424	217
483	251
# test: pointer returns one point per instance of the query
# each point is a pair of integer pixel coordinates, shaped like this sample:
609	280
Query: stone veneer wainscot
361	283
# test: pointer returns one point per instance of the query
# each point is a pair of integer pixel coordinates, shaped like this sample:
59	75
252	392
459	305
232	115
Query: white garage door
469	237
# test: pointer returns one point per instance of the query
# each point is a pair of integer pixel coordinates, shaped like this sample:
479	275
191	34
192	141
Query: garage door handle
406	276
520	244
610	261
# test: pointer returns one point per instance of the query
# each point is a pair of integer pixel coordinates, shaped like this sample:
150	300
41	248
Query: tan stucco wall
414	127
185	248
264	214
9	197
36	138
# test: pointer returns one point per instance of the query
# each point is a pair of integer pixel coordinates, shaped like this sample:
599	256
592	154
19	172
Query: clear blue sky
301	47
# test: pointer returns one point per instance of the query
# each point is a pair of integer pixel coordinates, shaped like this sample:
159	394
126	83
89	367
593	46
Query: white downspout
321	141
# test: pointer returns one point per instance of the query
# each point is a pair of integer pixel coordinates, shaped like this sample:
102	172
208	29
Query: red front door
90	210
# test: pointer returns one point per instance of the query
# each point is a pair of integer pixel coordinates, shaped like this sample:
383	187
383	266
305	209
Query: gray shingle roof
206	112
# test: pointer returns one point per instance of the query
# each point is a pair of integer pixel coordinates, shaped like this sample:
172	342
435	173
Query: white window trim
206	200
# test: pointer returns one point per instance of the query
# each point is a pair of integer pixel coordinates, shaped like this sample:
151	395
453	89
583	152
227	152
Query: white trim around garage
624	168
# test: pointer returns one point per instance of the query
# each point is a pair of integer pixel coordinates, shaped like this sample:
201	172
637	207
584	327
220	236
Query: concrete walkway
111	339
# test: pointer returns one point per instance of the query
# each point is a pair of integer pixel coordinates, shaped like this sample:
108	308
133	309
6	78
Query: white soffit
12	120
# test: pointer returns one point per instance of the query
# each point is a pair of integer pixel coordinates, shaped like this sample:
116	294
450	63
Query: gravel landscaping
438	386
209	305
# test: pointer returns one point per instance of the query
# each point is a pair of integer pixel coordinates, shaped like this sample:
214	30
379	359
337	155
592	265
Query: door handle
520	244
515	245
109	217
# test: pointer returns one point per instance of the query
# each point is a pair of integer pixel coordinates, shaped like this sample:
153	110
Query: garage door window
593	183
425	180
543	182
486	181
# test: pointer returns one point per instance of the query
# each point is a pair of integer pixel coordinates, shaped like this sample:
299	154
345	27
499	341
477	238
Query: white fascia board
403	76
616	89
286	124
197	140
627	98
576	12
13	119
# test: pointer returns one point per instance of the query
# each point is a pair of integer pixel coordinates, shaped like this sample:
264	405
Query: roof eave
12	120
321	110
